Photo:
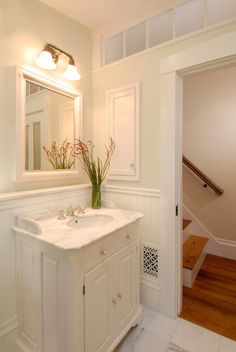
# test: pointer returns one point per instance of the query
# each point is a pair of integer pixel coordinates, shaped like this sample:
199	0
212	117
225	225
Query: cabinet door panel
50	291
125	273
123	127
98	309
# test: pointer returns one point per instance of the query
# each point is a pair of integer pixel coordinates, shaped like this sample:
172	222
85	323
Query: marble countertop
48	228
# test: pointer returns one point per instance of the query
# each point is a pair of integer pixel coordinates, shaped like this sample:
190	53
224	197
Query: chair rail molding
20	199
149	192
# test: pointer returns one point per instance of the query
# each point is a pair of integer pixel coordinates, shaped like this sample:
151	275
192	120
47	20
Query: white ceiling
95	13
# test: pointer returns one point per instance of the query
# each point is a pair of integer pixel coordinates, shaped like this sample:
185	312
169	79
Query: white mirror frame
23	74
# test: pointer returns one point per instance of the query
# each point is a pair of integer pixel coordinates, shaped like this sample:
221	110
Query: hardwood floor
211	302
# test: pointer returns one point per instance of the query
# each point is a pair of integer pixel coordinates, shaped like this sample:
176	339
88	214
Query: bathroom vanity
77	280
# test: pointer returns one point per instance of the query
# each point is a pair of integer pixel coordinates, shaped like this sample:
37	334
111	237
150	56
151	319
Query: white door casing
218	51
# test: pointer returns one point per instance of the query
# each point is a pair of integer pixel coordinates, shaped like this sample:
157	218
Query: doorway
216	52
209	195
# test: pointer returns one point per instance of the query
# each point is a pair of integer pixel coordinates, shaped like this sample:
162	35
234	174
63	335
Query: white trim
35	76
189	58
21	347
148	192
218	50
166	44
225	242
8	326
12	196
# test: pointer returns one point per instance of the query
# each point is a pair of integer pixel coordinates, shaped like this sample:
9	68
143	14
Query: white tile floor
158	333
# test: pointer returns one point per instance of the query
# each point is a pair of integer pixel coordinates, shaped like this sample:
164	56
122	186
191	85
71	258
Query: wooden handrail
207	181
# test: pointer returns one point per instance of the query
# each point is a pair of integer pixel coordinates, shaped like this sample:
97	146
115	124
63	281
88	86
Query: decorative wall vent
150	262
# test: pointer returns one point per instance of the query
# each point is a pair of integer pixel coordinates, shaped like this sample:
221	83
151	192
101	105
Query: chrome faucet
70	211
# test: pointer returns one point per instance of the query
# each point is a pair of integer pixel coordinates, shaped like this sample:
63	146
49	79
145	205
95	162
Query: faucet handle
81	209
70	211
61	215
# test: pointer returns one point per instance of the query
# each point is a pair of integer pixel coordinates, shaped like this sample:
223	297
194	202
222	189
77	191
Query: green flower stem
96	197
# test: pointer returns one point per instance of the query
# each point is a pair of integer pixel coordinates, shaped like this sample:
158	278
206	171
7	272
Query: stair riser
224	287
202	296
218	276
189	275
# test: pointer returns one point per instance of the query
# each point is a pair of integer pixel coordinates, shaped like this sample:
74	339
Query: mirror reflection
49	129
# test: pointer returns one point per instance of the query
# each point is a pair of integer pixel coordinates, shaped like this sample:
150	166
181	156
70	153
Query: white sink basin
88	221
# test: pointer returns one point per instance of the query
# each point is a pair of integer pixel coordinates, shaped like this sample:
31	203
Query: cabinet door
99	311
126	286
123	127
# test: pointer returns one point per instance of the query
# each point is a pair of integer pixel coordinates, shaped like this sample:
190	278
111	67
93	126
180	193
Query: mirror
48	121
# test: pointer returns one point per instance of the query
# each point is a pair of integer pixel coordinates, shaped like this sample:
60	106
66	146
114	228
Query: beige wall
25	27
210	143
145	69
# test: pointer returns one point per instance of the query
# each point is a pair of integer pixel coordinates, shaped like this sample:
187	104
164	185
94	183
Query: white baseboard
216	246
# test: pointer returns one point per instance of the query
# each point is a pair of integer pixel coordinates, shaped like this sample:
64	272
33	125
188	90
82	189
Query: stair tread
192	249
186	222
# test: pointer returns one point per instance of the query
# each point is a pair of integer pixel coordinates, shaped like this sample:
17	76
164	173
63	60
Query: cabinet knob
120	295
131	165
114	300
103	251
128	237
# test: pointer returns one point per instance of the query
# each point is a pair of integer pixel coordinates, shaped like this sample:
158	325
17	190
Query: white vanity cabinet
111	298
82	300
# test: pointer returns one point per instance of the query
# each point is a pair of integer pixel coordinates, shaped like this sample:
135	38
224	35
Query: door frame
218	51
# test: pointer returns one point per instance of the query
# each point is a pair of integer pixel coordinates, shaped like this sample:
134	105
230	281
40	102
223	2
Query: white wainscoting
12	204
146	201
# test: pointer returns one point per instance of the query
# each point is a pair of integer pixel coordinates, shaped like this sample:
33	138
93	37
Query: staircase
194	253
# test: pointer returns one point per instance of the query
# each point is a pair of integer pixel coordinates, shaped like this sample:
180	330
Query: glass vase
96	197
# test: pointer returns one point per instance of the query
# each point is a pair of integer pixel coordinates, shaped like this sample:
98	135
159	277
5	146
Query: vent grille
150	262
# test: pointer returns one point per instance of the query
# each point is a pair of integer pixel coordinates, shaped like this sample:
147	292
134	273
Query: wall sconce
48	60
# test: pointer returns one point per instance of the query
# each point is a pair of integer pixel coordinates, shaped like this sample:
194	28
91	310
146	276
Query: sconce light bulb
45	60
72	73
